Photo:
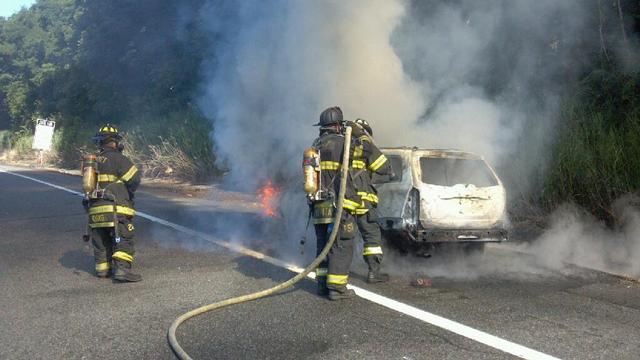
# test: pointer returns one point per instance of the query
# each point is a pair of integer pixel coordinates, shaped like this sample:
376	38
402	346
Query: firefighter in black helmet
367	160
111	208
333	274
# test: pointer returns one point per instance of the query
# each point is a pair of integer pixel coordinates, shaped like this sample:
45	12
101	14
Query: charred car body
440	197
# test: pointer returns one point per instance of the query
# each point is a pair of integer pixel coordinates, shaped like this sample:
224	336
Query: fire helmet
365	125
330	116
106	133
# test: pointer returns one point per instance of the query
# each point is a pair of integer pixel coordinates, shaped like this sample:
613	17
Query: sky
9	7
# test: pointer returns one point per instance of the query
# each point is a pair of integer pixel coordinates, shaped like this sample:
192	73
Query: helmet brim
330	124
105	137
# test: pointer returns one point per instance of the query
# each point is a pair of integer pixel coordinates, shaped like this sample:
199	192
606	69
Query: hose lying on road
171	335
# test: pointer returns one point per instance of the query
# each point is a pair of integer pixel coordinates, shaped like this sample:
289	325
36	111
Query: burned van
440	196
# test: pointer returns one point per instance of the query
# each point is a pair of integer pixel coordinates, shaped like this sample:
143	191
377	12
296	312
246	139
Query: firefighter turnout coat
367	160
330	147
119	179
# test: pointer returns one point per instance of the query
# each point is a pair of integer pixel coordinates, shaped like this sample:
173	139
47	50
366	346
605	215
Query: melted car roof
440	153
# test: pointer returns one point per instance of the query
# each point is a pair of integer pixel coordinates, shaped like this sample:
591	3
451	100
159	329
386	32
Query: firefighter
367	160
333	274
112	230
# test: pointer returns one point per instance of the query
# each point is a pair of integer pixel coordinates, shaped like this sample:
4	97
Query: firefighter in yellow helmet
111	209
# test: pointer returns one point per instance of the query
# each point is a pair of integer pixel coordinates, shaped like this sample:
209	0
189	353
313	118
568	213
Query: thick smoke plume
280	63
482	76
470	75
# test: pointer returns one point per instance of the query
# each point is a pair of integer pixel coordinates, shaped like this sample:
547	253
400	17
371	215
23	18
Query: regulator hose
171	334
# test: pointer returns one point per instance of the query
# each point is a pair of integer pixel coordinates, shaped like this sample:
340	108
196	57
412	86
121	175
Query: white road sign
44	134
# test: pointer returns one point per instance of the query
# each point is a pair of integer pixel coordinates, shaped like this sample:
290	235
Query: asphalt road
52	307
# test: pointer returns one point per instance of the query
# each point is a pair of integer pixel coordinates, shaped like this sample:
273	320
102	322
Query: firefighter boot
123	272
322	286
340	293
103	269
374	275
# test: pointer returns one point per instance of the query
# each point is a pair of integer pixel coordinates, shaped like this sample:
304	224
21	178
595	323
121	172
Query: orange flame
268	195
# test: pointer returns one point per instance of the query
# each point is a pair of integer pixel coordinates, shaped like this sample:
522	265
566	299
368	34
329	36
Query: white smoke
575	237
469	75
279	64
482	76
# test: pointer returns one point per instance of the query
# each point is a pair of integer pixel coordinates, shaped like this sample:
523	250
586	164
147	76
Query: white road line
41	182
435	320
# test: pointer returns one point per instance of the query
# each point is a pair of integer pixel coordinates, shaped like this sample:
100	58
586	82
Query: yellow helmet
107	132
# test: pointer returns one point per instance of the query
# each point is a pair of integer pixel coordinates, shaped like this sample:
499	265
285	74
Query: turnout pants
372	238
110	251
338	261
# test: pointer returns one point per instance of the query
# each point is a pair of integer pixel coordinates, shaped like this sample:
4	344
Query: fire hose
171	334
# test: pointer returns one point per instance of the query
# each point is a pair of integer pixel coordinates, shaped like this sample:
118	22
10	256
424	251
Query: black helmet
365	125
107	133
330	116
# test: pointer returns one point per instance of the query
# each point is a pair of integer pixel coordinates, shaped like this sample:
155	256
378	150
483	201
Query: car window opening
452	171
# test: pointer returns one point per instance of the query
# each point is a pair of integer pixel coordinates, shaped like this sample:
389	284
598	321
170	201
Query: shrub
596	158
178	146
21	145
5	140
